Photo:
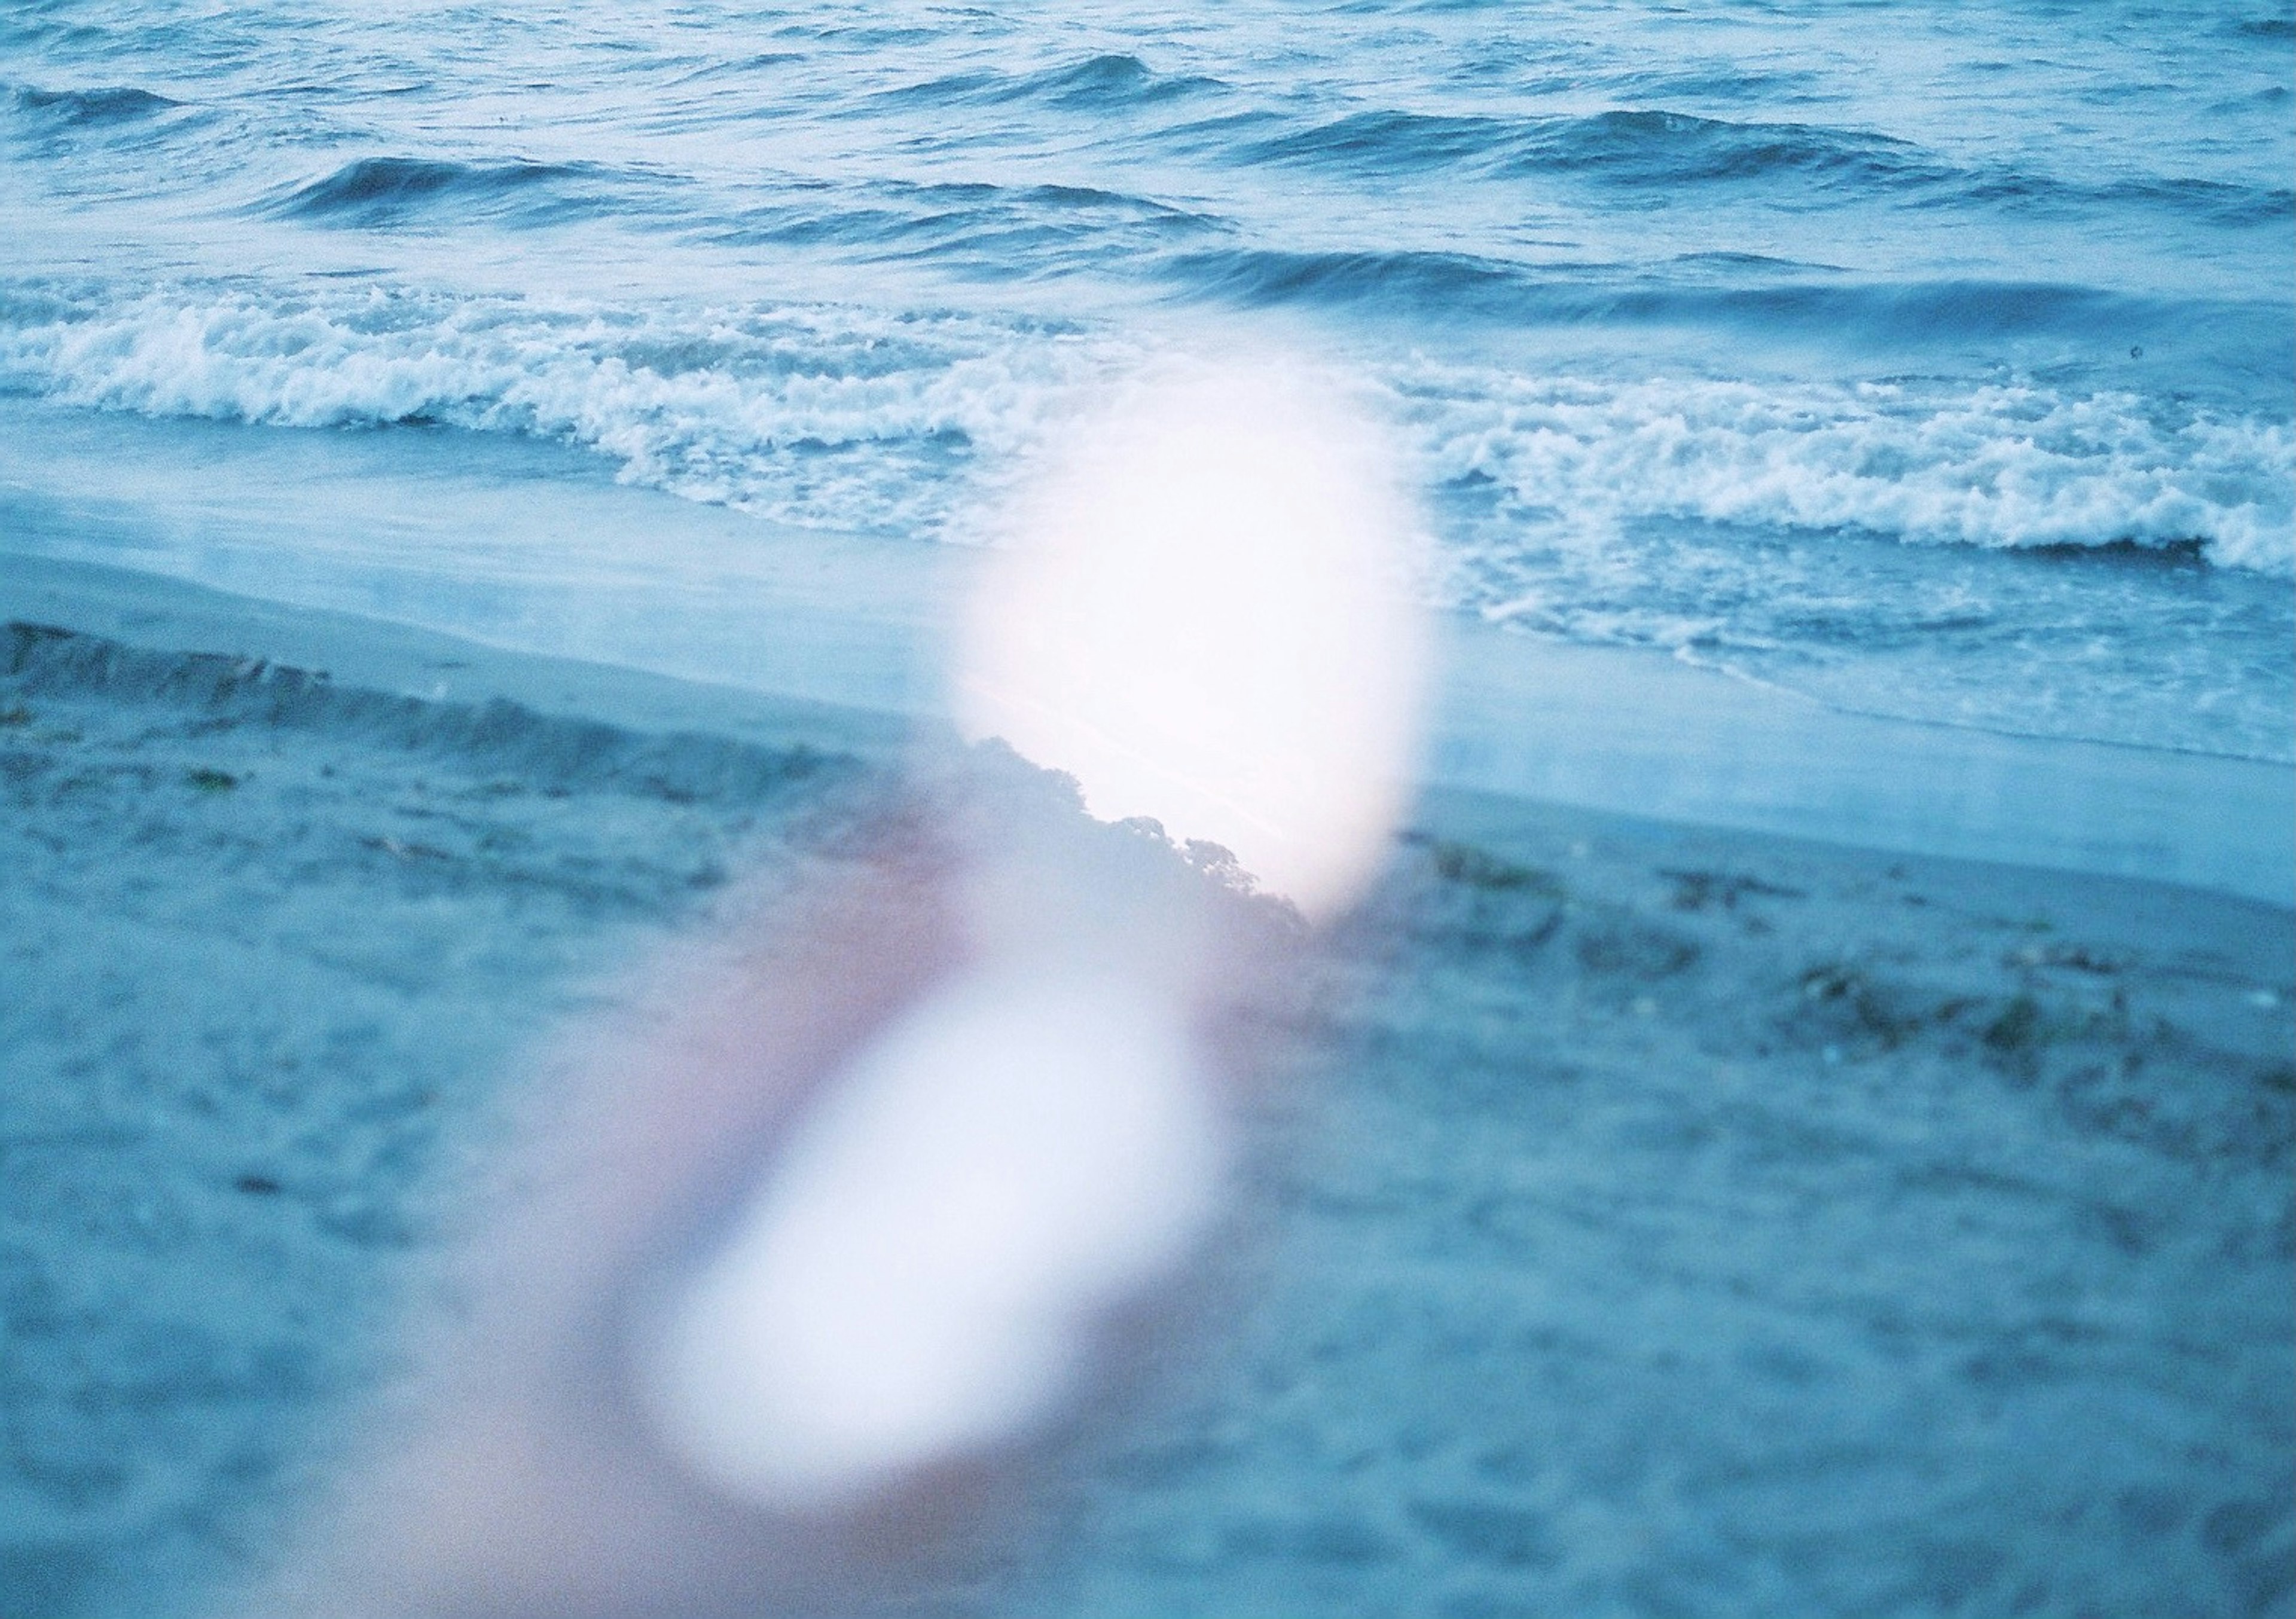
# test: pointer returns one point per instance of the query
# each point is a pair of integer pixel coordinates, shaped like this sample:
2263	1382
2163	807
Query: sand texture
1657	1220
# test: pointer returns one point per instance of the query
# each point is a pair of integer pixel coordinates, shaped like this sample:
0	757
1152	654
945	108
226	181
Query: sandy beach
1421	809
1651	1208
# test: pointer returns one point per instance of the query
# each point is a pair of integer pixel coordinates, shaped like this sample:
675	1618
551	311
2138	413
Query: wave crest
58	110
373	192
1107	83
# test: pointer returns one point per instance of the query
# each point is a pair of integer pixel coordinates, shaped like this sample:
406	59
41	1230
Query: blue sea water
1930	361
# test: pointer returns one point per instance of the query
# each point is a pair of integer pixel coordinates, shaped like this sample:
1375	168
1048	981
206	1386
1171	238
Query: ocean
1929	362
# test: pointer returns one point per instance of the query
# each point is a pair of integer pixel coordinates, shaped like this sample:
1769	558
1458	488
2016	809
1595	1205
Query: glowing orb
1204	619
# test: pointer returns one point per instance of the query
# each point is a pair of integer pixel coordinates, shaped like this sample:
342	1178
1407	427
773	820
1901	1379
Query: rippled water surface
1934	361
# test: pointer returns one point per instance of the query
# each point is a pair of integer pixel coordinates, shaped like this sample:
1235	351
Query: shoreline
1607	731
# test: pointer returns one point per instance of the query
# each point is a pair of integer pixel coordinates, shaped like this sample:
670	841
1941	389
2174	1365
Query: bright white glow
1203	620
1004	1162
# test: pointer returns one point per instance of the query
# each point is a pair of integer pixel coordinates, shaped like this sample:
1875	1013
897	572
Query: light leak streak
1202	620
1023	1150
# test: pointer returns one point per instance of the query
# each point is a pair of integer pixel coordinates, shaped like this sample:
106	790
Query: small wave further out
1621	146
112	104
1102	83
393	191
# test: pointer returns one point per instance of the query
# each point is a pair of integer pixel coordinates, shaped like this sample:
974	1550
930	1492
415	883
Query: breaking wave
1998	465
821	416
841	419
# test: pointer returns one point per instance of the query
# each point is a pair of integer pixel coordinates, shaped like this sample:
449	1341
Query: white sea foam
1996	465
834	418
849	418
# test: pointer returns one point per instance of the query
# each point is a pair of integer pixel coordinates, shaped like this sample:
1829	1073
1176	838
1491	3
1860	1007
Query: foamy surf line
2021	552
847	418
